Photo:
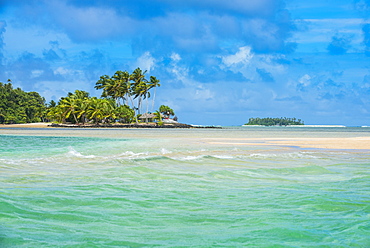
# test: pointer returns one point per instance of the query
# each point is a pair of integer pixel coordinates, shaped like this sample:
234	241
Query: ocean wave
291	155
165	151
131	154
74	153
188	158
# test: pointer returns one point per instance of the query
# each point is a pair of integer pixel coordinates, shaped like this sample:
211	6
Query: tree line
18	106
122	100
283	121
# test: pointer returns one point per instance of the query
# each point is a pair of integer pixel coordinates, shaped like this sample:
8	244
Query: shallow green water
149	188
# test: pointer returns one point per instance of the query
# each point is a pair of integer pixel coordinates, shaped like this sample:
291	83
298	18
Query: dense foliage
122	100
275	121
126	88
80	108
18	106
166	111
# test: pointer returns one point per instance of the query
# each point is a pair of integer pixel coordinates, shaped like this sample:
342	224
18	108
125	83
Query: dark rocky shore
141	125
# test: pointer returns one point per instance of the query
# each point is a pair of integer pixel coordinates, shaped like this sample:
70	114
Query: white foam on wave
73	152
131	154
282	155
165	151
189	158
198	157
223	156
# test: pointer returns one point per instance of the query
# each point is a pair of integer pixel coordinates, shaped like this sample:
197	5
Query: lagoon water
174	188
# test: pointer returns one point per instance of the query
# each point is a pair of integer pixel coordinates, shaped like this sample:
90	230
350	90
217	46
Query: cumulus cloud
146	62
175	57
192	25
28	69
210	55
305	80
92	23
244	55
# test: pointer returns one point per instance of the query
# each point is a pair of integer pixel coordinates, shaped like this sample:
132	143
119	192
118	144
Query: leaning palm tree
121	86
127	88
82	111
138	78
142	92
153	83
69	106
56	113
105	83
101	109
138	86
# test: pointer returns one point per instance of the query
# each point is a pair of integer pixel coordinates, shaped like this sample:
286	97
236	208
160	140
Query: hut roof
146	116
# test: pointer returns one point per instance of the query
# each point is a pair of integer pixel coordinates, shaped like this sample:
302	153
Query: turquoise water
172	188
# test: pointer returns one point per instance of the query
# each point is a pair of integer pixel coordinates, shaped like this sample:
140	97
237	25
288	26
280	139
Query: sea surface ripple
65	191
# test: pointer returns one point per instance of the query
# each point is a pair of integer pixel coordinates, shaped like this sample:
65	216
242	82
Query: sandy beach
27	125
357	143
347	143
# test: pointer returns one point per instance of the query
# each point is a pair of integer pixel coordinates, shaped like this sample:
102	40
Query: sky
219	62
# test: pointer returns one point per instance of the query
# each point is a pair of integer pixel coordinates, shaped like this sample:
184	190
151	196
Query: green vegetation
17	106
274	121
80	108
125	88
166	111
122	100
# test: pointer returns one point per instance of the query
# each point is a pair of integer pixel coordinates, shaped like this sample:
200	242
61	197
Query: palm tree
125	86
56	113
153	83
105	83
80	94
142	92
121	86
124	114
166	111
69	106
138	86
82	112
100	109
80	98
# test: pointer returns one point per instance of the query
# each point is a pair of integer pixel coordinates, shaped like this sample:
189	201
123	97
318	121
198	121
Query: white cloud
305	80
202	93
175	57
36	73
244	55
91	23
62	71
145	62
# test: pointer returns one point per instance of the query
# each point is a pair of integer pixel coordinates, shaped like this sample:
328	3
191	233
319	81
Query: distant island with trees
283	121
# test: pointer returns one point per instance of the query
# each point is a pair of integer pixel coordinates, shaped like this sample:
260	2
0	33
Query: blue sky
219	62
